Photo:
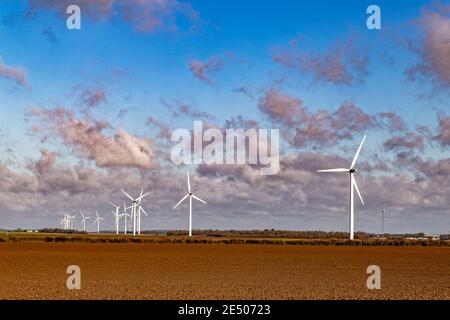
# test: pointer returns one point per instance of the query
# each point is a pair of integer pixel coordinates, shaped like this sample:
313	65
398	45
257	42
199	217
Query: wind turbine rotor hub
352	170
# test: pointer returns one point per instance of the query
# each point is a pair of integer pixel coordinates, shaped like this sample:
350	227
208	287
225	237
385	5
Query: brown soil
32	270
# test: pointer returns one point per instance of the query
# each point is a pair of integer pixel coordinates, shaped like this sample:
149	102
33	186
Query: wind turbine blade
143	211
181	201
189	182
334	170
113	204
357	190
195	197
357	153
142	196
127	195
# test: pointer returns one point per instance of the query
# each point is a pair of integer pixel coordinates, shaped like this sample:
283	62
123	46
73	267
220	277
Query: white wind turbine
136	214
125	214
117	216
353	186
71	222
66	222
190	195
63	222
98	221
139	211
83	221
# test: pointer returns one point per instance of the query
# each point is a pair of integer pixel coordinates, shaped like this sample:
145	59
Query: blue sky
138	69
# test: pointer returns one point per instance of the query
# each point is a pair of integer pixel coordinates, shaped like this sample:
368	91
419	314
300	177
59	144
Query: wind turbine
117	216
125	214
353	186
71	222
190	195
63	222
139	211
67	222
83	221
134	214
98	221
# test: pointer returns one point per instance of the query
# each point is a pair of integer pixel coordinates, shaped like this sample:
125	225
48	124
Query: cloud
434	48
305	128
240	122
392	121
150	15
143	15
86	137
341	64
282	108
203	70
50	35
181	109
443	134
18	74
164	132
245	91
409	142
93	98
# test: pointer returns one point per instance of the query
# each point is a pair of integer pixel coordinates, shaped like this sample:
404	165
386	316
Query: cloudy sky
86	112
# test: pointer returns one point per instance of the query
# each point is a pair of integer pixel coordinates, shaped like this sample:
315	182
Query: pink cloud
93	98
443	134
142	15
203	70
342	64
434	48
86	137
282	108
303	128
409	141
18	74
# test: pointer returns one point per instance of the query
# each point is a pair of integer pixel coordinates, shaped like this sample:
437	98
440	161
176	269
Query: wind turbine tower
189	195
353	186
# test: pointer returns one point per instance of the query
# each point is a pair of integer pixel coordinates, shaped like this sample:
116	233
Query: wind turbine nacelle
352	170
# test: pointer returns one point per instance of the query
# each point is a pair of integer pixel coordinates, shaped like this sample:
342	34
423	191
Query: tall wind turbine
117	216
63	222
125	214
72	222
189	195
136	204
67	226
98	221
83	221
353	186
